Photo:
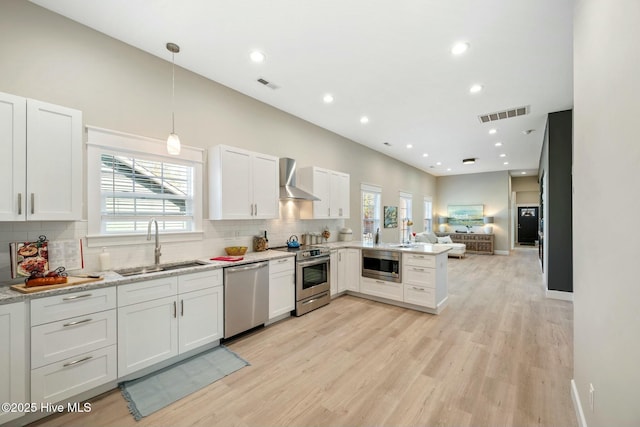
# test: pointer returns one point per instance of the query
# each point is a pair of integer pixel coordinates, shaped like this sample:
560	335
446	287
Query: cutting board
72	281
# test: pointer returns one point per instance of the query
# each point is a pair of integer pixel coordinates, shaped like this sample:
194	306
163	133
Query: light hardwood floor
500	354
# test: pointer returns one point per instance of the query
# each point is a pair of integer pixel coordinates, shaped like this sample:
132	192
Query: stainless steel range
312	277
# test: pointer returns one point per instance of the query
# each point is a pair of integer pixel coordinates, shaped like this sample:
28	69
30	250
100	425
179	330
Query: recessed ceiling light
475	88
364	119
469	161
425	155
409	146
448	169
523	173
257	56
438	163
492	131
498	144
459	48
505	163
328	98
503	155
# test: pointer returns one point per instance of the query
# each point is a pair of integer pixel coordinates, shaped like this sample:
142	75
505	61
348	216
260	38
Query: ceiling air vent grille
267	83
505	114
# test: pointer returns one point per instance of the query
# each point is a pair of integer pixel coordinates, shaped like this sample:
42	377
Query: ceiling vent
267	83
505	114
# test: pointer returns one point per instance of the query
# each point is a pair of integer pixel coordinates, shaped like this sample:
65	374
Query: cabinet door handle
75	362
19	203
77	322
181	308
33	203
74	297
328	211
175	309
256	205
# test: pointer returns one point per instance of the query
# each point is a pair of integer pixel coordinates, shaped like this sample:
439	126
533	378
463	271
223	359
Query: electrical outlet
591	391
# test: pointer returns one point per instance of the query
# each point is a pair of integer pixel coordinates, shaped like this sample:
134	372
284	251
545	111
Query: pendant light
173	141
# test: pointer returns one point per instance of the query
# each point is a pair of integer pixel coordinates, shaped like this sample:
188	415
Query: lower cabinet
424	279
282	287
70	355
13	375
161	318
382	288
346	263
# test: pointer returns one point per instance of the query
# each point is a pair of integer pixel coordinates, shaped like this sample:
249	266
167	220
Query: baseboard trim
501	252
577	405
565	296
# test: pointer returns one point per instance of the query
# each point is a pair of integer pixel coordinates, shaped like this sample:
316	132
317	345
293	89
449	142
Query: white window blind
134	189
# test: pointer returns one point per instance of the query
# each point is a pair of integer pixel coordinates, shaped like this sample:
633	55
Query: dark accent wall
555	163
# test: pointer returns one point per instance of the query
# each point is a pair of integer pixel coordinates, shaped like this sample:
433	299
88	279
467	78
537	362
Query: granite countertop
111	278
418	248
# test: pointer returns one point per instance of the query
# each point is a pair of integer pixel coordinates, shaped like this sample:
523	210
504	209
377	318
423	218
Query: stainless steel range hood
288	189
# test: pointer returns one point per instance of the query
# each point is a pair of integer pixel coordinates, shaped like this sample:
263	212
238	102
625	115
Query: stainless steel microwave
383	265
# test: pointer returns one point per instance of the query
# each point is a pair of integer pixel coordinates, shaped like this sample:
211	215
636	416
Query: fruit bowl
235	250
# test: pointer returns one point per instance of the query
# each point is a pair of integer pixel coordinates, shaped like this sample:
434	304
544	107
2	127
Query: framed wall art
390	217
467	215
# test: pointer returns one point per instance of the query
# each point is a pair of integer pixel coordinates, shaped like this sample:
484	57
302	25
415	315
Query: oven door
312	277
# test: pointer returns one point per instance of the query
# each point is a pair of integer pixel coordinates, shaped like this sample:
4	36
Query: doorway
527	225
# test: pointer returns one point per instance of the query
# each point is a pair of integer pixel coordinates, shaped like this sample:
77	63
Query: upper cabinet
242	184
331	187
40	161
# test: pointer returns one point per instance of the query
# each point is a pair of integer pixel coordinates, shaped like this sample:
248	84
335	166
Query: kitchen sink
135	271
403	245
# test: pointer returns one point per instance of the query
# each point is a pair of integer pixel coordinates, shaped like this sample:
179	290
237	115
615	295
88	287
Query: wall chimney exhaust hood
288	189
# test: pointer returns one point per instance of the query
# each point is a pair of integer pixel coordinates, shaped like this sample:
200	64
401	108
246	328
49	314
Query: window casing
371	211
404	215
428	214
131	179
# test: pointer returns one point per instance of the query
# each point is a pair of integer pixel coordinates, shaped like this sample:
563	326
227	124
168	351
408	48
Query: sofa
457	249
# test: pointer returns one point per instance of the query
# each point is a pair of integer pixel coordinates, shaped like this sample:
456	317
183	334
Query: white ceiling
387	59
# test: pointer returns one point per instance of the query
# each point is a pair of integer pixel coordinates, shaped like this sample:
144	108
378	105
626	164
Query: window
404	215
428	214
131	179
134	189
370	211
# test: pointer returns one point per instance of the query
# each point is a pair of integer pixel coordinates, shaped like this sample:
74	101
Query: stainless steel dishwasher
246	297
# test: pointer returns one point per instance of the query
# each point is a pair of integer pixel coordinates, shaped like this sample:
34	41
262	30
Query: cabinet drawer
419	276
147	290
201	280
420	260
281	265
64	339
381	288
420	295
51	309
74	375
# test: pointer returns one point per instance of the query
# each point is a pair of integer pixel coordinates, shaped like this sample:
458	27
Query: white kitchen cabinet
382	288
37	141
12	357
333	272
424	278
347	268
73	343
165	317
331	187
282	292
242	184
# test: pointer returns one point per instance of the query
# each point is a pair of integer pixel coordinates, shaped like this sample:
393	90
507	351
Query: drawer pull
77	322
283	260
417	269
418	289
75	362
380	281
74	297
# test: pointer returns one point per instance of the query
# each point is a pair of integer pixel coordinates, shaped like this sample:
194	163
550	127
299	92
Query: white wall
489	189
606	160
51	58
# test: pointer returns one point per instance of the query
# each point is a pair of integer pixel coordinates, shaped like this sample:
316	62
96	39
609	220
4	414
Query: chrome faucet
156	252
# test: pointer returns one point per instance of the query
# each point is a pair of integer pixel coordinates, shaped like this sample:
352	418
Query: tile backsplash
217	235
